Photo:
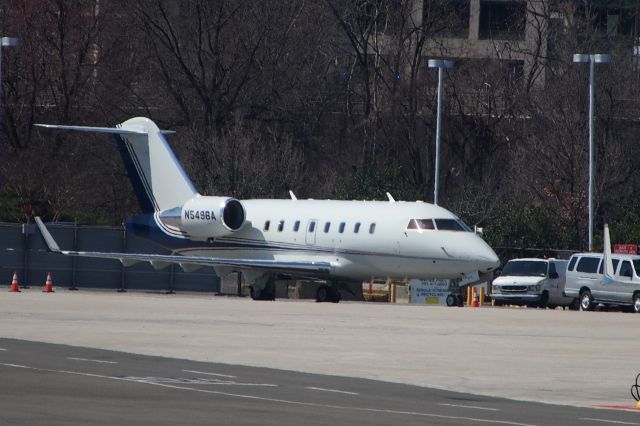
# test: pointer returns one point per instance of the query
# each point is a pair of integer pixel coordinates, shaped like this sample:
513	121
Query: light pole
592	60
4	42
441	65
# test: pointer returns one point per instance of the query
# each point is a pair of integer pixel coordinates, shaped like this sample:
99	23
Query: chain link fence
22	250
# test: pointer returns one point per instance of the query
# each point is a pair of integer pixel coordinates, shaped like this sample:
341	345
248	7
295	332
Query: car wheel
544	300
586	301
636	303
574	305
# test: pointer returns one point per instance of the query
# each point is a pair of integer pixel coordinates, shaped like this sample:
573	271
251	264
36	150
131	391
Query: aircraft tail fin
159	181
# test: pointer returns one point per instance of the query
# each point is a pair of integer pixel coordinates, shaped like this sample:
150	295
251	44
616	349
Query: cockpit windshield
524	268
420	224
439	224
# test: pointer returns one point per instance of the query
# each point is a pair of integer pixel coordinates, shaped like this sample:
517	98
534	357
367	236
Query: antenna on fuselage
391	200
292	195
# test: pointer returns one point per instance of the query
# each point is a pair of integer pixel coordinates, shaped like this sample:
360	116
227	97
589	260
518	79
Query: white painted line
332	390
209	374
198	381
617	422
2	349
92	360
280	401
473	407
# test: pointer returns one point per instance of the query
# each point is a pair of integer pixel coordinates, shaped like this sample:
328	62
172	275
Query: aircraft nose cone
486	258
489	260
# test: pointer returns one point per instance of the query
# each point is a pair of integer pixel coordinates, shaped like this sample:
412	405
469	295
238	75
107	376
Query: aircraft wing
128	259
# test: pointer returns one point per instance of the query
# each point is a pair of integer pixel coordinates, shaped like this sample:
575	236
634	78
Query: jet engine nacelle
211	217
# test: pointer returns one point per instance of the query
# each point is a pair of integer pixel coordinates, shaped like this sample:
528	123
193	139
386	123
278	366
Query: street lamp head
596	58
579	57
440	63
9	41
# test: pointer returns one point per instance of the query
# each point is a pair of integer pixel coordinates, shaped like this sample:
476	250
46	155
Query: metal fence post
122	270
74	261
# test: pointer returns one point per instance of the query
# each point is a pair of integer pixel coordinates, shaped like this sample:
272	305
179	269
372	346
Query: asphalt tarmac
136	358
62	385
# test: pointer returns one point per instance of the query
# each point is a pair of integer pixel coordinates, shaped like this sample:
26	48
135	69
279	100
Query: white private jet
335	241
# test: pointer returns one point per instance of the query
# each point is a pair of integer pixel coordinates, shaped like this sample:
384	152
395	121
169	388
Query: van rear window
588	264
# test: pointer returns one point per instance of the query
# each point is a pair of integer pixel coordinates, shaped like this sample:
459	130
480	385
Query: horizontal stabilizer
112	130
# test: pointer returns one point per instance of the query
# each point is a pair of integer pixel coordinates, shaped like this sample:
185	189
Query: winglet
48	238
608	263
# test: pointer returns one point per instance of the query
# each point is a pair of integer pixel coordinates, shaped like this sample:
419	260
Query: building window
502	20
296	226
372	228
327	226
356	228
447	18
280	226
266	225
341	228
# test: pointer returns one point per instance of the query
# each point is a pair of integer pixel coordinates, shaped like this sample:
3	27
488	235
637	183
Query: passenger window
572	263
296	226
327	226
356	228
588	264
341	228
552	268
280	226
312	226
626	270
266	225
372	228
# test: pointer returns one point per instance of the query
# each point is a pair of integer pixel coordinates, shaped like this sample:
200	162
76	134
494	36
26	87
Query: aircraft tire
323	294
452	300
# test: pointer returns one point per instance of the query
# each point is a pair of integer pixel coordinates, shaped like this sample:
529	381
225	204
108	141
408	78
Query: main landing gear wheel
267	293
327	293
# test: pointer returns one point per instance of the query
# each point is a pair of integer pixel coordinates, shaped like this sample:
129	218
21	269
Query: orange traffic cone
15	287
475	303
48	286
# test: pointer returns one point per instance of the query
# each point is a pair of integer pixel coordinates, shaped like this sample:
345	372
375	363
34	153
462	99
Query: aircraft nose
487	258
